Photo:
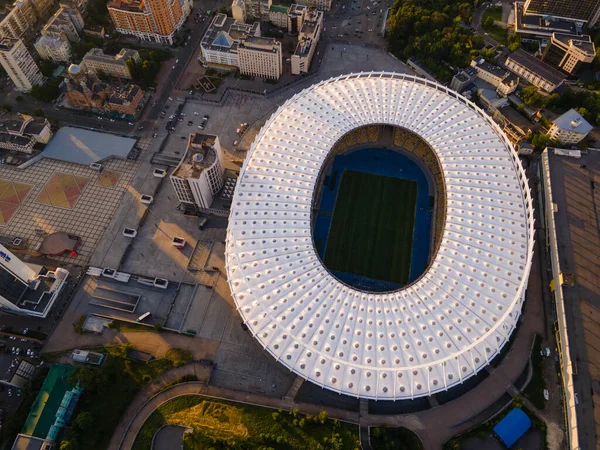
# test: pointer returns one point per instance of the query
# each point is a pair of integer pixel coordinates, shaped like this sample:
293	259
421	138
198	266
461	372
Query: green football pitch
371	232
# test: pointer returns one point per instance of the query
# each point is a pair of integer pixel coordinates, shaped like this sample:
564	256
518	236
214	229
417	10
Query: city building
362	357
321	5
43	8
199	175
260	57
20	132
569	52
149	20
66	22
79	5
219	46
504	82
537	26
583	11
26	291
83	90
296	14
278	16
534	71
569	210
463	78
508	85
53	48
238	11
308	39
258	9
18	20
516	127
19	64
94	31
115	66
570	128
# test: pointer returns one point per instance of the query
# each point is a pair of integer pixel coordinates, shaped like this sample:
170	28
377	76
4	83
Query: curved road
169	437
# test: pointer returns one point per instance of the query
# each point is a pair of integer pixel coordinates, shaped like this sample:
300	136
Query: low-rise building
516	127
278	16
53	48
308	39
19	65
570	128
94	31
20	132
569	52
199	175
508	85
260	57
125	100
463	78
535	71
296	14
219	46
238	11
115	66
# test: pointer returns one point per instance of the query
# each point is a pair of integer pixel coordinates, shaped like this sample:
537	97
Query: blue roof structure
223	40
81	146
513	426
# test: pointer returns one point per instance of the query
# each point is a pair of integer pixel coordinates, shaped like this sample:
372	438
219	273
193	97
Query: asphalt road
477	19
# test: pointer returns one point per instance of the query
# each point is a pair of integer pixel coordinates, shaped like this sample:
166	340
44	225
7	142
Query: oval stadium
380	237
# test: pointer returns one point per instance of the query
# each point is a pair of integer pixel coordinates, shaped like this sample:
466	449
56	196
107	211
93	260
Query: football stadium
380	237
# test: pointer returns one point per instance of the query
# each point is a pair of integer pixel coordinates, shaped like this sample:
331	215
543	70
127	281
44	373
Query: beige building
258	9
534	71
570	128
308	39
278	16
53	48
296	14
19	65
115	66
149	20
238	11
260	57
66	22
504	81
18	20
569	52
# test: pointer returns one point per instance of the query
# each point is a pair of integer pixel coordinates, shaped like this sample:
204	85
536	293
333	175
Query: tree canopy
435	32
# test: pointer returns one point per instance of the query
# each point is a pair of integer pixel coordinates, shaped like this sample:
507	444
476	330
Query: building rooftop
96	54
297	10
224	33
51	41
124	95
312	22
540	68
264	44
466	73
482	64
278	9
540	25
582	42
81	146
303	47
574	122
200	155
127	5
6	44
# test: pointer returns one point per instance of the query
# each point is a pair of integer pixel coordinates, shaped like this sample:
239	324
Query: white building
534	70
115	66
219	46
260	57
569	52
26	291
53	48
238	11
308	39
19	65
570	128
199	175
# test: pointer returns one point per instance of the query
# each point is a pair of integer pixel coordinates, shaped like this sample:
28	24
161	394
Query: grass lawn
495	13
371	231
109	389
221	424
384	438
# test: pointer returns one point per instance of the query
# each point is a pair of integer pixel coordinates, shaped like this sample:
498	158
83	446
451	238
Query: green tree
48	91
66	445
488	23
514	42
532	97
84	421
46	67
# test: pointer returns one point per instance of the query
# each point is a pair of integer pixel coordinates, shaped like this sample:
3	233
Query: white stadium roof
426	337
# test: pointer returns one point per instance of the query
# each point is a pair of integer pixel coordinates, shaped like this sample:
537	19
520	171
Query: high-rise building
238	11
19	65
261	57
115	66
584	11
25	291
199	175
18	20
150	20
568	52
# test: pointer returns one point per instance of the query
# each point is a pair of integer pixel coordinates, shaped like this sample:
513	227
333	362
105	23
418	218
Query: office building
115	66
26	291
53	48
149	20
534	71
20	132
199	175
258	10
583	11
569	52
238	11
66	23
18	20
308	39
570	128
219	46
260	57
19	65
278	16
296	14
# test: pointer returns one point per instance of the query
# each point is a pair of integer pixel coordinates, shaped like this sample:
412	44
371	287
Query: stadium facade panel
425	337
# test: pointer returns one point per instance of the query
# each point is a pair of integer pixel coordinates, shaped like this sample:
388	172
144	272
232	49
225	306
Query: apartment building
79	5
19	65
534	70
321	5
115	66
20	132
261	57
53	48
308	39
66	22
238	11
149	20
199	175
570	128
278	16
42	8
219	46
296	14
18	20
569	52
